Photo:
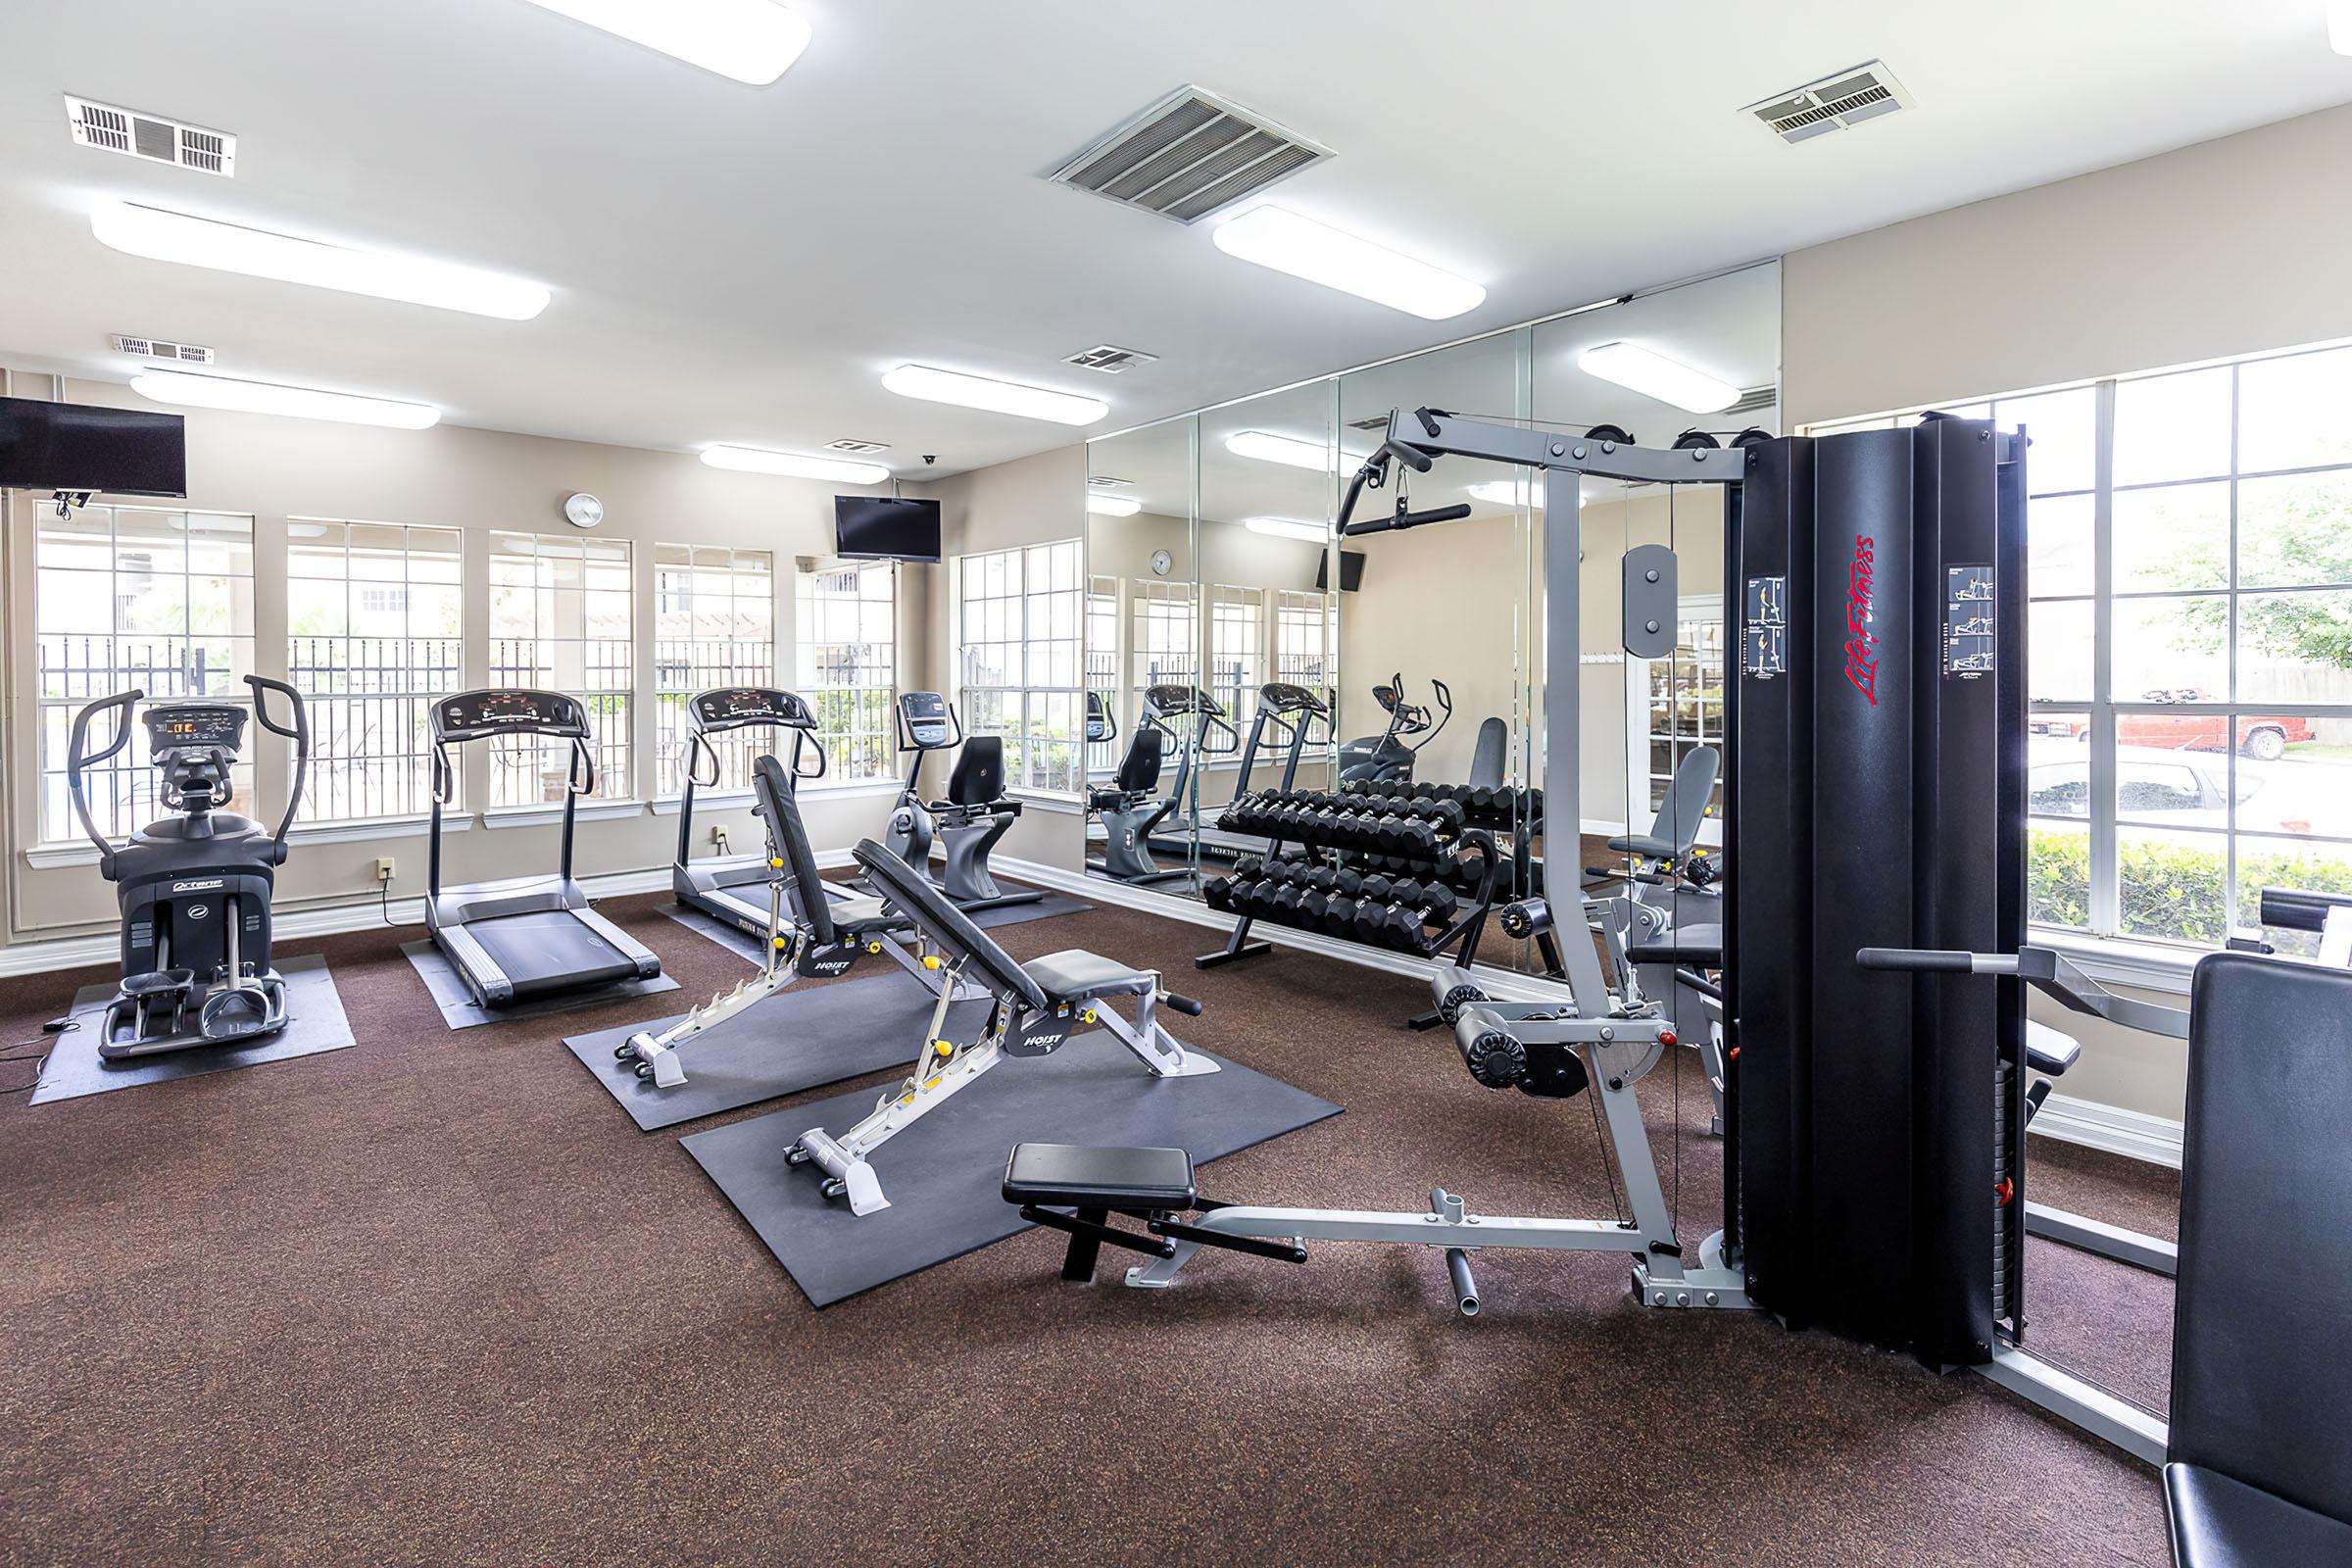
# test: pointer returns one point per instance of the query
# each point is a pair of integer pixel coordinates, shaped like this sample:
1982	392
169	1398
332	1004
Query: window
130	597
844	630
1682	697
1164	645
1018	666
2190	559
714	625
1303	639
373	627
1102	669
1236	647
562	613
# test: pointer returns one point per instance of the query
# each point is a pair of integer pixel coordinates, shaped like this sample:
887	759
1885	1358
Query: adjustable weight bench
807	934
1038	1005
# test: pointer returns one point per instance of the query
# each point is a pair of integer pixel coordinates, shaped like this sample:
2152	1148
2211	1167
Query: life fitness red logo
1861	643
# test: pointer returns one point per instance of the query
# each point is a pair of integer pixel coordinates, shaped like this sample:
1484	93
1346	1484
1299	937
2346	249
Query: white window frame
1237	641
1027	699
124	794
380	696
1296	611
611	702
745	656
1103	653
859	731
2159	958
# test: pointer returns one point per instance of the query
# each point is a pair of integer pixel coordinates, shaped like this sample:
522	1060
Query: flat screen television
1352	570
78	446
885	528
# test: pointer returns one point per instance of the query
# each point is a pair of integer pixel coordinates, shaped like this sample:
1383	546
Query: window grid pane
129	597
562	618
714	625
846	651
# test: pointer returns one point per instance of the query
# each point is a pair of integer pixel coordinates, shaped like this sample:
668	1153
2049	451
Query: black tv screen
76	446
1352	570
883	528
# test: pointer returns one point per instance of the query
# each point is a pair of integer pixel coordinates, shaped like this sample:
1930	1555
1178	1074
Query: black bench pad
2050	1050
2221	1523
1694	946
1083	1176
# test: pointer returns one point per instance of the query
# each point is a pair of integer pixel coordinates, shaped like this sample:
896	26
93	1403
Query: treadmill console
741	707
1173	700
194	726
1284	697
924	715
476	715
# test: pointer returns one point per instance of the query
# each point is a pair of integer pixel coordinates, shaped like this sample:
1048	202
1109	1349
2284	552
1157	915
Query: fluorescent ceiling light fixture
1279	239
294	401
751	460
751	41
1654	376
997	397
2339	25
1314	533
1288	450
1113	506
166	236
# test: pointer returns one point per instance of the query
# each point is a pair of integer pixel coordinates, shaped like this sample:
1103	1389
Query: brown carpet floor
435	1300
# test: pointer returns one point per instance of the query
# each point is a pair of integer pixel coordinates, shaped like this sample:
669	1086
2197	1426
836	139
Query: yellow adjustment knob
1088	1016
780	944
946	1048
775	862
873	947
931	960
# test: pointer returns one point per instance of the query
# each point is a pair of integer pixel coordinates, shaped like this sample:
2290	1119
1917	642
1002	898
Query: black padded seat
1075	974
1646	844
1694	946
1087	1177
978	777
865	916
2050	1051
2221	1523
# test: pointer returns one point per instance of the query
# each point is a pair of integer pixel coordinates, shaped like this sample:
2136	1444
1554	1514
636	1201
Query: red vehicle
2265	739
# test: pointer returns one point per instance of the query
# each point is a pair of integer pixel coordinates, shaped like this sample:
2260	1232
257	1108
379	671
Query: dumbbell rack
1503	809
1348	836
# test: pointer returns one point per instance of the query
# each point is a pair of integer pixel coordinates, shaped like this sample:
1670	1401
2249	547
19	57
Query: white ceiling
735	264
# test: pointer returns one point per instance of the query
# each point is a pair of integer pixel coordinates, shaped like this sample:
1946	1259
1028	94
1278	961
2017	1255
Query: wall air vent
151	137
1187	156
156	348
1110	358
1104	482
1865	92
845	444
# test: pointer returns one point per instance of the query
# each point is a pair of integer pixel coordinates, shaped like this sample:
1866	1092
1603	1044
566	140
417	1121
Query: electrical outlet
383	869
718	837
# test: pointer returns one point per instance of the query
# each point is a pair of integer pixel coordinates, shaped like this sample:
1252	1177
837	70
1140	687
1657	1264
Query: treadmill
734	888
531	935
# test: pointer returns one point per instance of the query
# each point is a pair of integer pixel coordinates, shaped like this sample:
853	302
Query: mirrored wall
1234	644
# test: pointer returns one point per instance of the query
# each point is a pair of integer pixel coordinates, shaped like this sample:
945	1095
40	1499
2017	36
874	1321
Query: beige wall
2226	248
477	480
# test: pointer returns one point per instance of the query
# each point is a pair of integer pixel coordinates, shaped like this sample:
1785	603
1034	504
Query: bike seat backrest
1138	771
788	841
1489	756
979	775
2260	1381
949	929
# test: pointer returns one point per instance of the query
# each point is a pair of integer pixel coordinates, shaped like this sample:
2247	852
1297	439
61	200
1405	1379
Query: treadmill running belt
549	950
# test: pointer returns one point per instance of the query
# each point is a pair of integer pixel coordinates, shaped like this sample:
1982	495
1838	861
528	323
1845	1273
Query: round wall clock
584	511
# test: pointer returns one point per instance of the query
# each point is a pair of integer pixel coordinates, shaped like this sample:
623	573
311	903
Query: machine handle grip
1406	520
1412	457
801	738
1183	1005
698	747
2300	909
582	777
77	759
298	732
1918	960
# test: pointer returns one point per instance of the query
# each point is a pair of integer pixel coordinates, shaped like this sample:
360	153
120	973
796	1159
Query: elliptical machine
194	889
975	814
1389	758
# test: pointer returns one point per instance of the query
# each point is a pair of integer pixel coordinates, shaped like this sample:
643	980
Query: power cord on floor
47	1041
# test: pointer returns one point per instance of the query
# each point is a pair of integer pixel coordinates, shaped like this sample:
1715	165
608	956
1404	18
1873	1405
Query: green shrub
2174	890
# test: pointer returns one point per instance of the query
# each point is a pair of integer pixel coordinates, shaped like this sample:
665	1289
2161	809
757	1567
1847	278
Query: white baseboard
2131	1133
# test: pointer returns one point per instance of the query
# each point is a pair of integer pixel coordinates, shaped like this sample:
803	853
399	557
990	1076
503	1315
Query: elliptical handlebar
79	759
298	732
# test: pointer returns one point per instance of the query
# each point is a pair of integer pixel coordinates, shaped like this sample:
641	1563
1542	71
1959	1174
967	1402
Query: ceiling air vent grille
156	348
1755	398
1833	102
1110	358
847	443
1188	155
113	129
1104	482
